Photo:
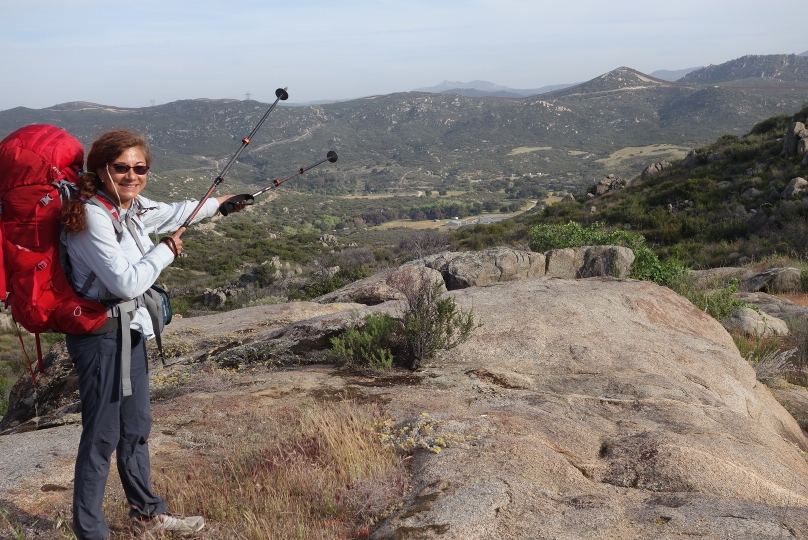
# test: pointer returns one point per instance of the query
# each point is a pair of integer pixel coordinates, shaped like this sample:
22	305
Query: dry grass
297	467
779	357
528	149
314	471
799	298
774	365
654	151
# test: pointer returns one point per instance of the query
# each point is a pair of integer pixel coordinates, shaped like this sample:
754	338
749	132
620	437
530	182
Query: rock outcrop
471	268
241	337
795	132
772	280
378	288
584	262
586	432
477	268
753	323
56	402
607	185
693	159
655	169
775	306
596	408
795	187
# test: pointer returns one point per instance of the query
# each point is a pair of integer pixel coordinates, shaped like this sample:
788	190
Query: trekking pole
240	201
280	94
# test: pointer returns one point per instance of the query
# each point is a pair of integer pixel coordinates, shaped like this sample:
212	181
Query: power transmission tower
247	95
152	102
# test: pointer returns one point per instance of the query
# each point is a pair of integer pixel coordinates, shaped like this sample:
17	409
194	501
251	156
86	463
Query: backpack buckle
44	201
42	265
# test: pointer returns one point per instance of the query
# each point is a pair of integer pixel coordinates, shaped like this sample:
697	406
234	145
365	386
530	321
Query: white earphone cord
114	188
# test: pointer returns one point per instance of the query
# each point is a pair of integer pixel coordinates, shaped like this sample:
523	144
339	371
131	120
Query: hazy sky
127	53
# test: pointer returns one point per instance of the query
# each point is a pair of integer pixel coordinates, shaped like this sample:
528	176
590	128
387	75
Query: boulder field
597	408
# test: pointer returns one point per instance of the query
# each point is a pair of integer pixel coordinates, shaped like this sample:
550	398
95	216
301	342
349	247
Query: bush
423	243
369	346
430	322
715	299
646	267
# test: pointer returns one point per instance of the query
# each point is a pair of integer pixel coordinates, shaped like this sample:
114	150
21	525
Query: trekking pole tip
281	94
331	156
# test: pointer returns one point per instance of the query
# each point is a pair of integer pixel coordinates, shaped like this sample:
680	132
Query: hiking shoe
173	522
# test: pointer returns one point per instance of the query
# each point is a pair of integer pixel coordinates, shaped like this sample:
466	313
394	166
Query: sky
132	53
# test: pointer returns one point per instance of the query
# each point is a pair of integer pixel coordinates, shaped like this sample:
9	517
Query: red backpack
38	170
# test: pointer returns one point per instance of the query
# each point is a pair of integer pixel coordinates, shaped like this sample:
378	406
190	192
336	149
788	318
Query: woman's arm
125	275
167	217
172	220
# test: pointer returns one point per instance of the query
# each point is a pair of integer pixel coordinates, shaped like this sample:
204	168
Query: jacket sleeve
98	249
163	218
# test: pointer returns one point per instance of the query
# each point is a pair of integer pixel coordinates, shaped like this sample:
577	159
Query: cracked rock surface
605	409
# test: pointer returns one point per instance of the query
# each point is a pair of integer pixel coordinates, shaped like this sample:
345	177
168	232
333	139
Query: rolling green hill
730	206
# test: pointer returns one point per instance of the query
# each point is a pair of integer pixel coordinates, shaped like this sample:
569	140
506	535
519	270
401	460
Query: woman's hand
174	242
236	207
221	198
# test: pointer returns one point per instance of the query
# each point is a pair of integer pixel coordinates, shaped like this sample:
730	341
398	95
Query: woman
108	265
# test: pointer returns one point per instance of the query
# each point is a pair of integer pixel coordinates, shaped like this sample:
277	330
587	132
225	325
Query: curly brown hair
105	150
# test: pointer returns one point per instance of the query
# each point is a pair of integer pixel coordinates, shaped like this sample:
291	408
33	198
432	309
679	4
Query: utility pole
247	95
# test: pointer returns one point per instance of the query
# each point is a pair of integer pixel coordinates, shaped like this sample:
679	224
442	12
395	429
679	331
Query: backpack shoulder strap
110	209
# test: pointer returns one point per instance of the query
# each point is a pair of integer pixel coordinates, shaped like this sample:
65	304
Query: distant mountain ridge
488	89
772	67
414	139
484	86
620	79
672	75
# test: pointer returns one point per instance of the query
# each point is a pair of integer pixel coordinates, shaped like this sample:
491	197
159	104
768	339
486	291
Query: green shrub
371	346
430	322
647	265
715	298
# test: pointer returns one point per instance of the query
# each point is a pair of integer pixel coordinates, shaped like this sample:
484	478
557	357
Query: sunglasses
120	168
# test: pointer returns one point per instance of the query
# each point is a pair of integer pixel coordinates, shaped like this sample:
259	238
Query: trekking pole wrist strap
171	245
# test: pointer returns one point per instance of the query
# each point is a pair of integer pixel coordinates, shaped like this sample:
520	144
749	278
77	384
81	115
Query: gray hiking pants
111	422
